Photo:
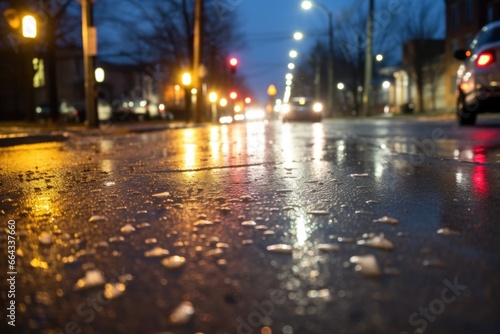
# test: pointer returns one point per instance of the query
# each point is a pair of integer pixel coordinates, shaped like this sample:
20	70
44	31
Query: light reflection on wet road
294	179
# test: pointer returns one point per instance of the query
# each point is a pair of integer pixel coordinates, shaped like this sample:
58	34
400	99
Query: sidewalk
20	133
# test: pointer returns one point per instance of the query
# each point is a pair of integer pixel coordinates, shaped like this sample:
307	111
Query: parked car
136	109
104	110
478	78
67	112
164	113
302	109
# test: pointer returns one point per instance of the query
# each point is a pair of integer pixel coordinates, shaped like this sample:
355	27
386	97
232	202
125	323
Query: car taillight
485	58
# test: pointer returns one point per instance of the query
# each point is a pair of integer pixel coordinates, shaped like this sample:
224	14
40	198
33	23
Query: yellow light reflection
107	165
189	156
106	146
214	143
238	136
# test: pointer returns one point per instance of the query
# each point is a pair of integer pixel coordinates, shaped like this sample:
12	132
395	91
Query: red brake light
485	59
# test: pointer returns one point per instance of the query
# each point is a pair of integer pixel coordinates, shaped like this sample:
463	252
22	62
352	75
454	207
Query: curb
25	139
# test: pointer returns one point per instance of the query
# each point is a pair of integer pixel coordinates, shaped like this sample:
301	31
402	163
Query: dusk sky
268	26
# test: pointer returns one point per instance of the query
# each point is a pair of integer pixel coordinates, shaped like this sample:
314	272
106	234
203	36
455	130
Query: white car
478	78
302	109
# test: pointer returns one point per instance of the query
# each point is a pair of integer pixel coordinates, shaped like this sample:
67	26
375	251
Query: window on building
469	10
455	16
39	76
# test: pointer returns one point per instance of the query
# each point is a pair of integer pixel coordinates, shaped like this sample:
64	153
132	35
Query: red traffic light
233	62
233	95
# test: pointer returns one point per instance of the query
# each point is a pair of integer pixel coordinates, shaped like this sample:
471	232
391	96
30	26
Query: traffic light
233	95
233	63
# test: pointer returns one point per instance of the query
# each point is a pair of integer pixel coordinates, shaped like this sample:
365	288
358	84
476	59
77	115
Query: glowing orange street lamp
29	26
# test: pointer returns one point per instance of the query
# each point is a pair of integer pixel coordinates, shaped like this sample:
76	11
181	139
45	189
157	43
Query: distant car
104	110
255	114
139	109
164	113
67	112
302	109
478	78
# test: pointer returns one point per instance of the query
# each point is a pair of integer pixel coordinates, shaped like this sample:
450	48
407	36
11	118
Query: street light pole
368	62
29	32
197	44
89	51
331	90
307	4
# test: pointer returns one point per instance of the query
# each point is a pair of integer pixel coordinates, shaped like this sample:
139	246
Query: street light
212	97
293	54
340	86
29	26
379	57
99	74
186	79
306	5
298	36
291	66
223	102
289	76
188	98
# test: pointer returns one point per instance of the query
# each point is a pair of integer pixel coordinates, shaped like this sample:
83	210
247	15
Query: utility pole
317	72
331	88
197	44
89	38
368	62
52	66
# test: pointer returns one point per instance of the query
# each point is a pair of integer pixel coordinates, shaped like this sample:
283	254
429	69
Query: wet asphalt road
308	184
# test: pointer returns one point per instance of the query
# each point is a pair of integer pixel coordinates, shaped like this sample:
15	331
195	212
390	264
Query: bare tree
422	25
351	39
161	31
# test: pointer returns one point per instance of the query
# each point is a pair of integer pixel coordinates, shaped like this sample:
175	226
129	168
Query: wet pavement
369	226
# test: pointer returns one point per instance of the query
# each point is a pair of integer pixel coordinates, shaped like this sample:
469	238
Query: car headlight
255	114
317	107
239	117
226	120
285	108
